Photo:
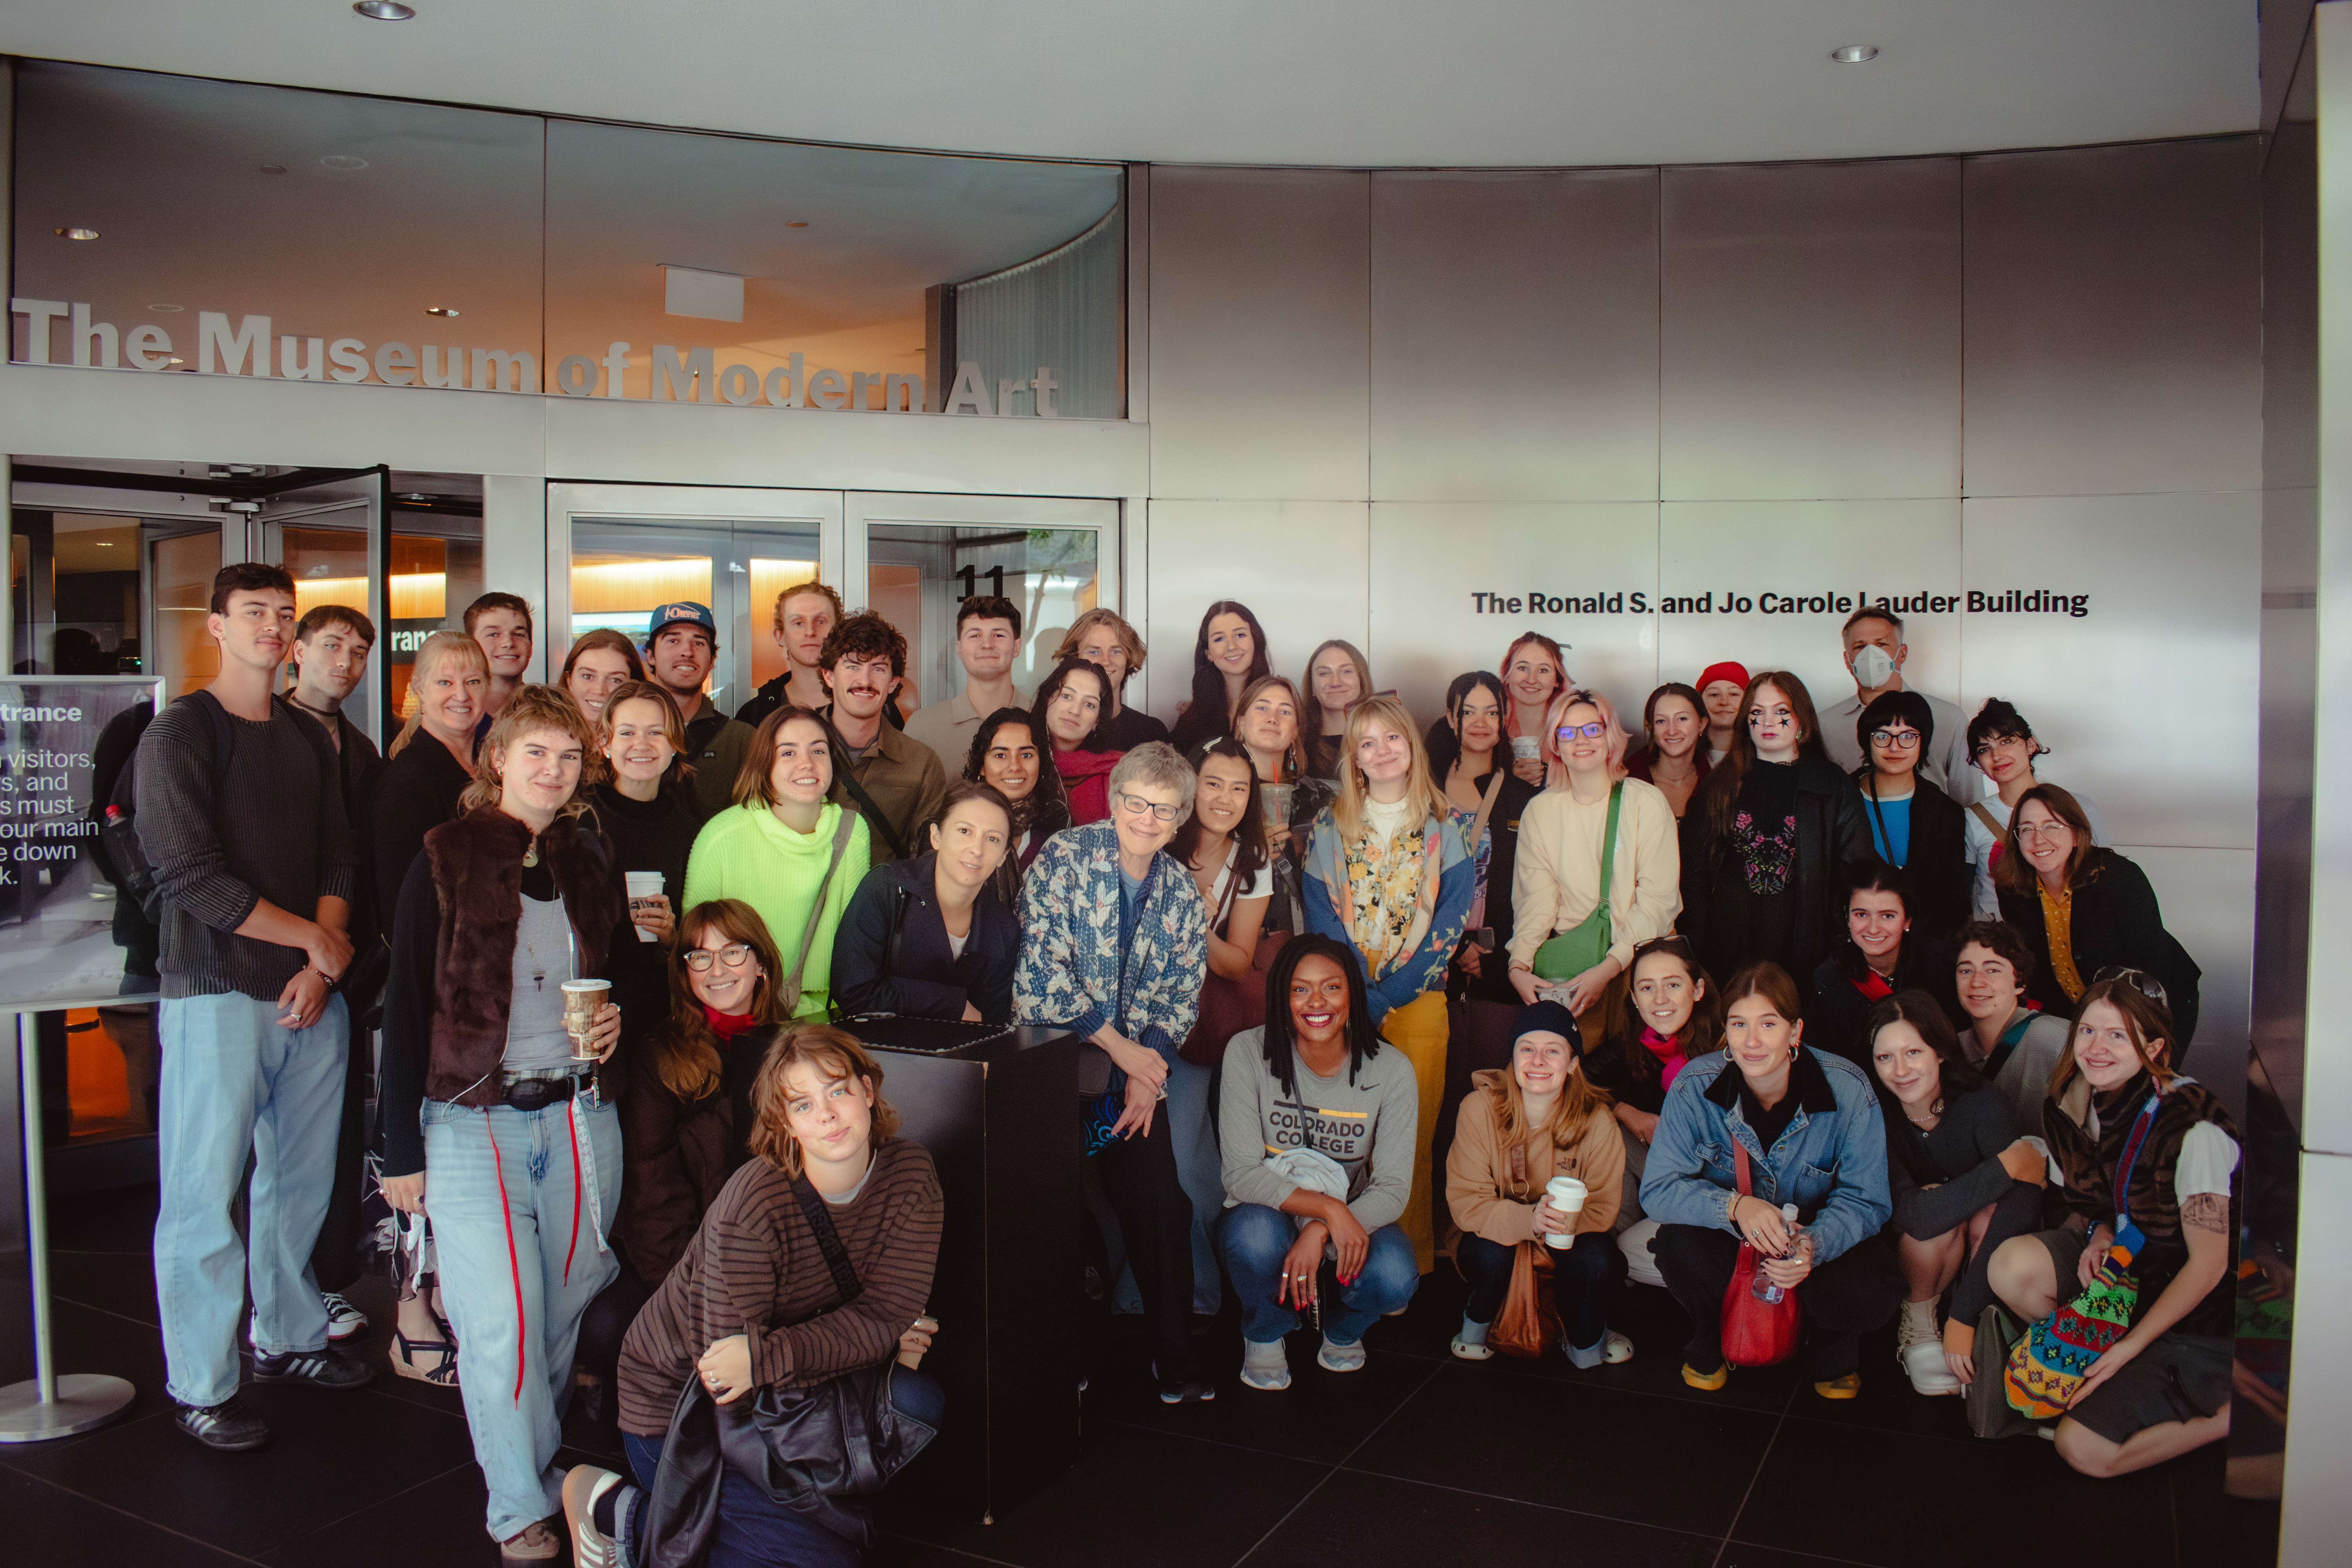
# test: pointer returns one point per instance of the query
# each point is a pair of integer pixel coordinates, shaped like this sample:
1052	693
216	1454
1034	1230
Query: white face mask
1872	665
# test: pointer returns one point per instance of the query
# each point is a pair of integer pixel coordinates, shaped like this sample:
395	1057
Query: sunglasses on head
2139	980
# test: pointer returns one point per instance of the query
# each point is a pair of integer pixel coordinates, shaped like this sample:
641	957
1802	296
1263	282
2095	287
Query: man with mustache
681	645
895	781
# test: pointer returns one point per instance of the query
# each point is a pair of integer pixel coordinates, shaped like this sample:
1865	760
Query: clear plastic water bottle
1760	1285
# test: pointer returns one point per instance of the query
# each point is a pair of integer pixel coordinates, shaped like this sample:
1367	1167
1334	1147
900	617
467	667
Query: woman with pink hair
1600	865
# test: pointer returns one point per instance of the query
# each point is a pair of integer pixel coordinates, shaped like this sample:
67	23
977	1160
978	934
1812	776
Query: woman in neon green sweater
787	851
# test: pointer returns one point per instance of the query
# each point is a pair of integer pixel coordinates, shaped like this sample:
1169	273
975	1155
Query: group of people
1854	989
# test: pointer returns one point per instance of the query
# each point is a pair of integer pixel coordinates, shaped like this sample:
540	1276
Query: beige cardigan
1478	1172
1556	879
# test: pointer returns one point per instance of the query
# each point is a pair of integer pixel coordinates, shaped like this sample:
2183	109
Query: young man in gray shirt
254	858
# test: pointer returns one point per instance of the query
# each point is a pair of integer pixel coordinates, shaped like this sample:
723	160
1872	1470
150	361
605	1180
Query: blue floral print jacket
1072	974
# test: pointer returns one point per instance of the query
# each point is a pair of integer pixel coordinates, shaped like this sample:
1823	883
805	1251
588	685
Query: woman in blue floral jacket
1114	947
1387	874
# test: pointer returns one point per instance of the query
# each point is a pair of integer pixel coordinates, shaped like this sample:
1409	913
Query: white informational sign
56	912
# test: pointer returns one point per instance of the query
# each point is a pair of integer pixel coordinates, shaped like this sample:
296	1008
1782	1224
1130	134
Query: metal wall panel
1428	559
2208	900
2149	701
1259	293
2114	320
1812	331
1299	565
1515	336
1801	550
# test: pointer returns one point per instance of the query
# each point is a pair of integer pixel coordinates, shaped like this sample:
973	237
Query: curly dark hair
868	636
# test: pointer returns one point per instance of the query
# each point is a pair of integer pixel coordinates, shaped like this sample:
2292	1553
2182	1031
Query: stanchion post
48	1405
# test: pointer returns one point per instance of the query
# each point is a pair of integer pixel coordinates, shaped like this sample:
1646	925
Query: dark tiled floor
1417	1460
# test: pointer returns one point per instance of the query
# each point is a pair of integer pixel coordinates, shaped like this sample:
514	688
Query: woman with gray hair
1114	947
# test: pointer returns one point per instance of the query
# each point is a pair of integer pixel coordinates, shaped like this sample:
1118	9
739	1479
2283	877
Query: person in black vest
929	936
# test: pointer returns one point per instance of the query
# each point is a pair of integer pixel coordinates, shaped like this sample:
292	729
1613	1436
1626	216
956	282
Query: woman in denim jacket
1114	947
1815	1137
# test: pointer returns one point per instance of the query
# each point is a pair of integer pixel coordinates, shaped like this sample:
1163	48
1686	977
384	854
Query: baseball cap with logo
681	613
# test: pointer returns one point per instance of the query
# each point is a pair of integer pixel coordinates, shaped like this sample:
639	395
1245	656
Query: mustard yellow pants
1418	1029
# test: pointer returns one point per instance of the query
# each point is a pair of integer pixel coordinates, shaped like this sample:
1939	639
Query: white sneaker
343	1319
1340	1358
1920	1351
1265	1366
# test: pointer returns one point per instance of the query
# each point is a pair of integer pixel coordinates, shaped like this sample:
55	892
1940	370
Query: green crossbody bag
1572	952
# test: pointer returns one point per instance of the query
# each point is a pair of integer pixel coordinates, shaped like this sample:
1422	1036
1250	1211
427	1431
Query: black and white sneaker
228	1427
1182	1389
328	1368
343	1319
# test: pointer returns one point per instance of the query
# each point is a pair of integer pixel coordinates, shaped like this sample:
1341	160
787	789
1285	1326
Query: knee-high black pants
1854	1292
1155	1219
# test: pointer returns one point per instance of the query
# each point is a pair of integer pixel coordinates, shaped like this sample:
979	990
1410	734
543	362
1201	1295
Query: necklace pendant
531	856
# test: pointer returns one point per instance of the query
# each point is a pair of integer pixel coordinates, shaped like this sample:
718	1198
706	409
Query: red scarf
727	1026
1086	775
1669	1052
1874	985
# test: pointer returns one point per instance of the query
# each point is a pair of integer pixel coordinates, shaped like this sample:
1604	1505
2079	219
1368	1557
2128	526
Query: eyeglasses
2042	829
1894	740
2139	980
1591	731
1136	806
735	955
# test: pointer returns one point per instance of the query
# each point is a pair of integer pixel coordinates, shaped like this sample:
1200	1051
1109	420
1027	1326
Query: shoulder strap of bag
2006	1046
899	897
1485	810
846	770
2131	1159
828	1240
841	834
1519	1170
1739	1163
1985	816
1609	842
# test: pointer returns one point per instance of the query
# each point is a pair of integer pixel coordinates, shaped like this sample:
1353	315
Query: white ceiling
1348	82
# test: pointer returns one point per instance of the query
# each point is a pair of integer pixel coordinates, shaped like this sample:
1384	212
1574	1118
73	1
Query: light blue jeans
235	1081
1192	1121
519	1264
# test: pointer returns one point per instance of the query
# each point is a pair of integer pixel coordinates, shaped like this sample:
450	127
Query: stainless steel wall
2036	370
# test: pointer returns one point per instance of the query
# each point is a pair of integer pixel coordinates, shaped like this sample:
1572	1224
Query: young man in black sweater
254	860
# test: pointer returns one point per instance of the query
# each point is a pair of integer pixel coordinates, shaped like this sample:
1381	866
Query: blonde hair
1581	1099
1556	765
439	648
835	1053
1420	787
1128	641
529	711
673	721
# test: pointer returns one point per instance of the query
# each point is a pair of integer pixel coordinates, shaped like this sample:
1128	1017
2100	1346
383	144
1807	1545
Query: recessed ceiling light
273	168
78	233
168	310
440	310
1854	54
384	10
797	222
343	160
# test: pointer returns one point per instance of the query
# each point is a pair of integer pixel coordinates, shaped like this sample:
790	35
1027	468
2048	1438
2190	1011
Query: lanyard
2129	1235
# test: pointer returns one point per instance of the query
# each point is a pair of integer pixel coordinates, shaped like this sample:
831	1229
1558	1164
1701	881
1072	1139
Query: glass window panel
622	569
918	574
181	569
379	210
838	250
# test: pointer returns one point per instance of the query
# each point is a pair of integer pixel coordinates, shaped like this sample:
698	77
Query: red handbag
1756	1333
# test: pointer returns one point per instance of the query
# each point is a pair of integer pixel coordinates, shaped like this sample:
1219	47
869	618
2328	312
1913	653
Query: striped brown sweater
754	1270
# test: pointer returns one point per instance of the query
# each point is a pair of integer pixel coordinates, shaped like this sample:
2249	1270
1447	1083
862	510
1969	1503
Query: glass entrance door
618	552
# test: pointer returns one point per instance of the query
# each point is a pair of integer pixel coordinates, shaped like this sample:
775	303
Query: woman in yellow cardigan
787	851
1557	881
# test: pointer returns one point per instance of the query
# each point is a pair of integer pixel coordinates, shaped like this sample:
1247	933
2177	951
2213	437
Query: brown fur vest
476	863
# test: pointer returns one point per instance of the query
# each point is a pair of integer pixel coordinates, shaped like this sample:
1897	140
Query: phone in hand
1483	938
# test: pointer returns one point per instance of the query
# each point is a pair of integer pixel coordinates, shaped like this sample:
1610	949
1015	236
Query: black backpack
121	856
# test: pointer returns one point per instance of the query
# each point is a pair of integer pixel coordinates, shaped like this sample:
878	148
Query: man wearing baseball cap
1722	687
681	645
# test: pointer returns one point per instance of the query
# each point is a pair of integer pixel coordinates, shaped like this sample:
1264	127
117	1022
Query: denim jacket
1071	975
1831	1161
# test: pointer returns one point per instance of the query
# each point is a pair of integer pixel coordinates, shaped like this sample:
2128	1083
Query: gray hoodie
1367	1126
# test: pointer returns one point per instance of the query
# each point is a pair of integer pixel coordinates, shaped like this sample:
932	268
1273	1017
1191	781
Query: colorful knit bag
2048	1364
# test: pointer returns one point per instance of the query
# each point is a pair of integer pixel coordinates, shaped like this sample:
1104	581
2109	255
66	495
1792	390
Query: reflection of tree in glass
1051	550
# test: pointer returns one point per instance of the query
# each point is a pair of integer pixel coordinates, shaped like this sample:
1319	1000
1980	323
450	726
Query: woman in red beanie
1723	688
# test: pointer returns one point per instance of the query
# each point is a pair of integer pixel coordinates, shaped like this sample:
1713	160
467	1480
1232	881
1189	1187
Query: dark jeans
602	1328
335	1257
755	1531
1854	1292
1585	1280
1155	1220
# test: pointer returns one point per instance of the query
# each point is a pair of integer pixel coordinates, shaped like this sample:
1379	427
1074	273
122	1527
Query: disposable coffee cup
642	886
1525	747
1567	1196
582	1000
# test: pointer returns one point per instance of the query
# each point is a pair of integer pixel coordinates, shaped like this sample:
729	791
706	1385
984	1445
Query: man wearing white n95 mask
1874	655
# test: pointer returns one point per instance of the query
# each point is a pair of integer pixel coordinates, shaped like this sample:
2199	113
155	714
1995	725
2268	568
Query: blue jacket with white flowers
1831	1161
1072	972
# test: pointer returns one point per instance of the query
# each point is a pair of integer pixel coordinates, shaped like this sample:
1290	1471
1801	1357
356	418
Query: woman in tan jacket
1520	1130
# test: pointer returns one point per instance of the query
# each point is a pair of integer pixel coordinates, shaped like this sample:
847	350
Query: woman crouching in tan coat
1537	1156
